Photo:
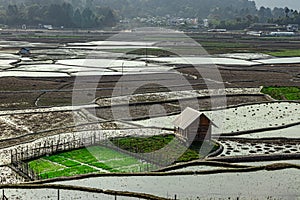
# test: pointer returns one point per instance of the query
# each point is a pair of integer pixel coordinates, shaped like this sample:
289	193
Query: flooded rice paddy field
47	78
290	132
259	185
23	194
234	121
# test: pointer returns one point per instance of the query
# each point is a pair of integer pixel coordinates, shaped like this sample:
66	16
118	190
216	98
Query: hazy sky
293	4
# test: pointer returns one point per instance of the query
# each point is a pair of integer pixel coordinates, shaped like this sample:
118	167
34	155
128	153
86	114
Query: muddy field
47	52
20	92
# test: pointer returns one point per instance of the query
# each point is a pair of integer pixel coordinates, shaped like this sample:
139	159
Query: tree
13	15
278	12
287	11
77	19
34	14
88	18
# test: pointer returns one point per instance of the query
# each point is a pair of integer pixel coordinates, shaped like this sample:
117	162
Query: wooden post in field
11	156
94	137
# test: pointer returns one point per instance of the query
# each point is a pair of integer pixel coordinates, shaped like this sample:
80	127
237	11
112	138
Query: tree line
243	18
57	14
229	14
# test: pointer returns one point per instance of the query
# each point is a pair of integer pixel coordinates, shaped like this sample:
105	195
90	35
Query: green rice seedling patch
81	155
143	144
137	168
62	160
92	159
42	166
102	166
285	53
124	162
103	153
282	93
81	169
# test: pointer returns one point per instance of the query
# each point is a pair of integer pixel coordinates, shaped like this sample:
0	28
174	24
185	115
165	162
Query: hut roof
187	117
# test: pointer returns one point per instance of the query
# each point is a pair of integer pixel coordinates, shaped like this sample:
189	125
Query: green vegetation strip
282	93
68	172
152	51
43	166
285	53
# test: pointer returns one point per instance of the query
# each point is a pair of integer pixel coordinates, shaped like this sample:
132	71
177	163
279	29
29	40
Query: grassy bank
285	53
282	93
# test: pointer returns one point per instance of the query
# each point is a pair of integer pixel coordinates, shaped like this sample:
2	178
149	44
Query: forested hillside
186	8
231	14
56	13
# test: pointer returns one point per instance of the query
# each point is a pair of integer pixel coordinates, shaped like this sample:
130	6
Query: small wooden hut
192	125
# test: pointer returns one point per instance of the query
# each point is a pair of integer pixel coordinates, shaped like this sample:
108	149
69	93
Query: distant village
194	24
269	29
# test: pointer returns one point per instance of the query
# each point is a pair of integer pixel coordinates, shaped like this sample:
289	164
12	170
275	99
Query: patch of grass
103	154
102	166
143	144
81	169
62	161
124	162
81	155
225	47
42	166
71	163
136	168
196	150
282	93
152	51
285	53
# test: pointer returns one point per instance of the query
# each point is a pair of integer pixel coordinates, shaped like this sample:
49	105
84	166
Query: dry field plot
8	176
9	129
128	111
173	95
22	124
